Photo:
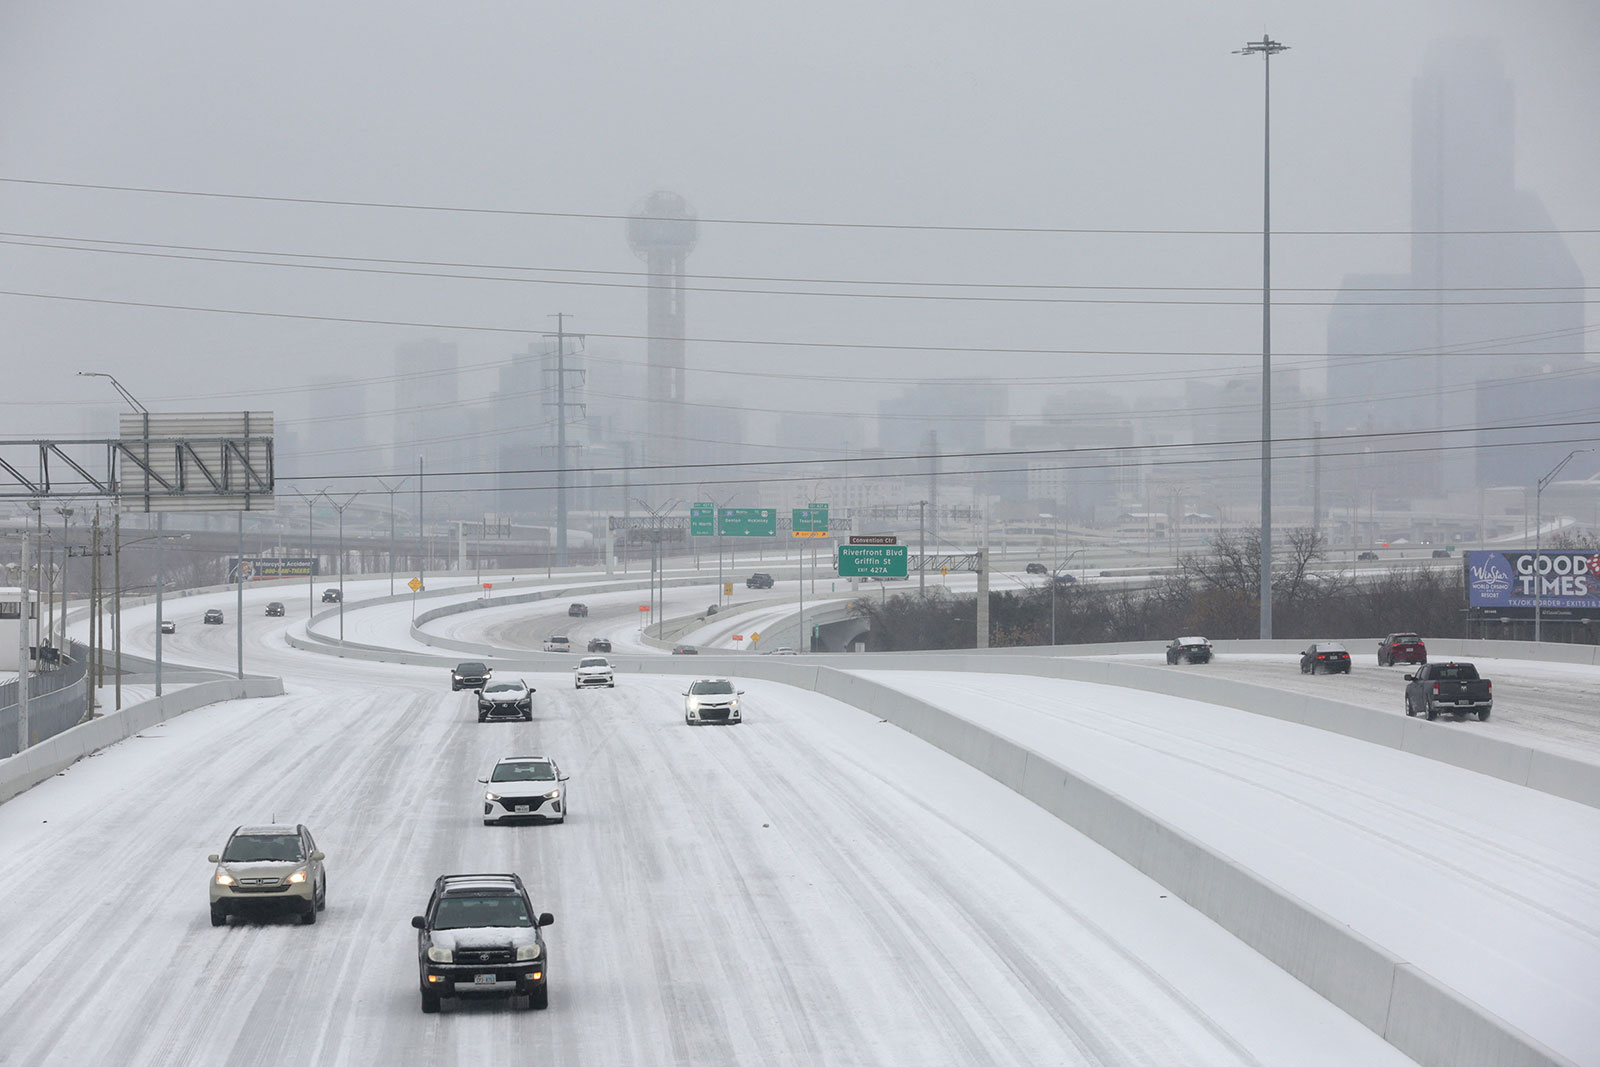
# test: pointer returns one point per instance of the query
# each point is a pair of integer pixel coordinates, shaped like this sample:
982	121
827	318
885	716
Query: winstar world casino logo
1492	576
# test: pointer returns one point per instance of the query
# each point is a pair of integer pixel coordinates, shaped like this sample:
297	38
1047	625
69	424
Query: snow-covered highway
812	886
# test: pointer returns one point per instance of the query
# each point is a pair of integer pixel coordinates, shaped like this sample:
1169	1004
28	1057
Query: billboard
195	461
1565	579
260	570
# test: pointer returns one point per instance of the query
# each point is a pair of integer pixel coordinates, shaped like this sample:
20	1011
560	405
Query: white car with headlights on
265	869
593	671
524	787
711	700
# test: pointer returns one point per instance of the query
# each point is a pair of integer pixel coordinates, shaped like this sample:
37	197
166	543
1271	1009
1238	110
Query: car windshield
523	772
593	663
261	848
1407	639
503	687
718	686
557	640
459	913
472	668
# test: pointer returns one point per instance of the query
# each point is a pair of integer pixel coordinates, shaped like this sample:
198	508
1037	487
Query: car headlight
529	952
441	955
296	878
224	878
491	796
554	794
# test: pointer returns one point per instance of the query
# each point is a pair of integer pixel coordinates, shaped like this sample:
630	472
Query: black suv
275	609
469	676
479	937
599	644
578	611
331	596
213	617
1037	568
758	580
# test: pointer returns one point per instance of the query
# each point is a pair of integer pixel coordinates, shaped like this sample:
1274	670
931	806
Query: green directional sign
748	522
702	520
809	522
872	561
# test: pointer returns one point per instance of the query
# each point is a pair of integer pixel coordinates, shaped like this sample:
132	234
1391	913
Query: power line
732	221
528	331
338	262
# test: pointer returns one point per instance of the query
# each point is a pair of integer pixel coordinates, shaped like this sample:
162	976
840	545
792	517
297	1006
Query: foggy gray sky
1129	115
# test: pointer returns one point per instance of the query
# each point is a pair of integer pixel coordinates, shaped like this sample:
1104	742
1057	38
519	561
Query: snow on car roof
253	830
524	759
1191	640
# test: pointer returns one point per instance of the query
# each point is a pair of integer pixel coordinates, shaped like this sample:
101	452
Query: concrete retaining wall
52	756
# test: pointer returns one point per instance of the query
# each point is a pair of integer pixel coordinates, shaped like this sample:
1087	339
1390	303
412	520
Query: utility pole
24	666
922	548
561	434
1266	48
422	547
116	579
238	601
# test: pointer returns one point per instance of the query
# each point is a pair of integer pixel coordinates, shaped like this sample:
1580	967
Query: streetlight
1538	516
391	490
340	509
1055	587
1266	48
658	578
311	550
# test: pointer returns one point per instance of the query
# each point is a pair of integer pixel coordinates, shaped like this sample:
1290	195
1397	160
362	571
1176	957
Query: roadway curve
810	887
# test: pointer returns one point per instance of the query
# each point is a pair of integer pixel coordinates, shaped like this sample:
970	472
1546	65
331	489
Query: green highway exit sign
872	561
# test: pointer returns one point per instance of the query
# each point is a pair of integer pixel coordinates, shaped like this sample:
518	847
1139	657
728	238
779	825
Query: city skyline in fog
987	135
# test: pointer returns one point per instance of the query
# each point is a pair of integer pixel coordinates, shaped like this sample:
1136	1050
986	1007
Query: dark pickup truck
1453	687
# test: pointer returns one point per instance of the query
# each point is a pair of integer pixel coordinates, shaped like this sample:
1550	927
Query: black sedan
1189	650
1324	657
213	617
275	609
508	699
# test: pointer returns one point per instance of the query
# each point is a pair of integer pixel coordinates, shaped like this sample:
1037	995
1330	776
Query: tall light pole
1266	48
1538	530
391	490
311	550
336	506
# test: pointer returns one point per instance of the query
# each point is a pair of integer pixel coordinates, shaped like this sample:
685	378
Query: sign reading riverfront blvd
872	561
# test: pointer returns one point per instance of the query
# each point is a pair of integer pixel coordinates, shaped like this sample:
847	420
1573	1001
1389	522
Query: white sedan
593	671
524	787
711	700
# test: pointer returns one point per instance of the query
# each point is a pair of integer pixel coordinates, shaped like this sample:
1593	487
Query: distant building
1471	310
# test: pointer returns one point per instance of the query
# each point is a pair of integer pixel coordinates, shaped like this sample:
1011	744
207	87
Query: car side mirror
213	858
485	781
1411	677
419	922
545	918
738	692
319	855
563	777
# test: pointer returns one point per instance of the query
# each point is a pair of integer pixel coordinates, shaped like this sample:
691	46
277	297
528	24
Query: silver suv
266	869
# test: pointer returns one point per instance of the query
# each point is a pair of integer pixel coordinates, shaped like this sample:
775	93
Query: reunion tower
662	231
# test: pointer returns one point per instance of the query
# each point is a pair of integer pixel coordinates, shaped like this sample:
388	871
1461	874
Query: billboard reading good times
1565	580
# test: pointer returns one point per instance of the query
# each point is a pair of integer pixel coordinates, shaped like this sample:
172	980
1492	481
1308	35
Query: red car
1401	648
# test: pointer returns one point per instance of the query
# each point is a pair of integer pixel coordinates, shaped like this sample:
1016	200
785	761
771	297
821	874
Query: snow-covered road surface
813	886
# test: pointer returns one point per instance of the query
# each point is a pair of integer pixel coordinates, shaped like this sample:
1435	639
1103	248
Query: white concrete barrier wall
49	757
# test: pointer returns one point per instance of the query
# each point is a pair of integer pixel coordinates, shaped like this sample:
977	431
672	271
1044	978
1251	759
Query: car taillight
1488	686
1435	687
1322	657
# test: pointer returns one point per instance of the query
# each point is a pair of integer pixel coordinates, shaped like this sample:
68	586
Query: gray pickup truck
1453	687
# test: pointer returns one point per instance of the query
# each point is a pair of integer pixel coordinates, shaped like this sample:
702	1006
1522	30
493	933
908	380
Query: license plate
521	807
483	979
1463	702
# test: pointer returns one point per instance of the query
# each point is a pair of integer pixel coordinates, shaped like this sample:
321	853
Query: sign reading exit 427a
872	561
